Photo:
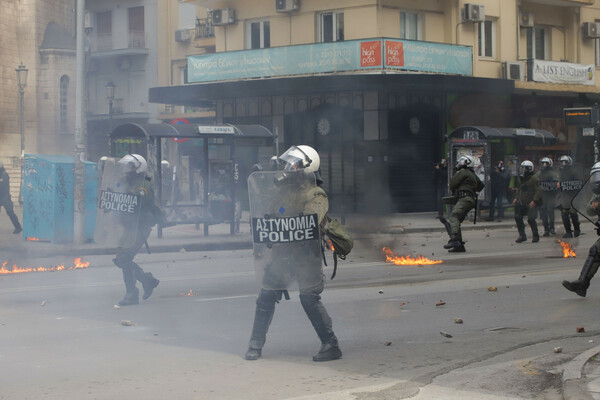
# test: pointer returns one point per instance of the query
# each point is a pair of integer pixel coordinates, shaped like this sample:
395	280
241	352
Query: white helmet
526	167
301	157
565	161
465	162
134	162
546	160
164	163
595	178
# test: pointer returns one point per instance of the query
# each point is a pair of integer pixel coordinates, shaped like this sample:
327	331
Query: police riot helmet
300	157
595	178
546	162
565	161
134	163
526	168
165	164
465	162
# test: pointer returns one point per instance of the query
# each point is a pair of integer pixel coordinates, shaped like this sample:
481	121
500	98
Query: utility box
48	186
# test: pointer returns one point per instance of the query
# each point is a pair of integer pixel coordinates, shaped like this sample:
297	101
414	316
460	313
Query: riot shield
287	246
119	206
583	200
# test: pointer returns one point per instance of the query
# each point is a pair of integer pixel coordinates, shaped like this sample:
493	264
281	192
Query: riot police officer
135	177
571	180
549	184
466	185
591	264
6	201
527	200
296	194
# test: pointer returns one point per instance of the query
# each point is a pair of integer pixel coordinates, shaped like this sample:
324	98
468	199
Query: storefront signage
588	131
216	129
525	132
563	72
582	116
318	58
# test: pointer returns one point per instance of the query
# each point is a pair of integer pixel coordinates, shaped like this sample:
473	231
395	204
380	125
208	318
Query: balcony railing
204	29
137	39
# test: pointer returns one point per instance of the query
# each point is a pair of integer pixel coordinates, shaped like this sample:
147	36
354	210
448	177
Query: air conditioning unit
474	12
287	5
526	19
222	16
591	30
514	70
183	35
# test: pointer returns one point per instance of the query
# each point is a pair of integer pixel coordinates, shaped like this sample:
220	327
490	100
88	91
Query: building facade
376	85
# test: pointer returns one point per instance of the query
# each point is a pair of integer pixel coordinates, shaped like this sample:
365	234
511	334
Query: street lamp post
22	82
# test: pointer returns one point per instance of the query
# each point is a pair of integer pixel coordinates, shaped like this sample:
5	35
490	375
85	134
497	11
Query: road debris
492	289
458	320
127	322
381	292
43	303
445	334
580	329
558	350
440	303
387	344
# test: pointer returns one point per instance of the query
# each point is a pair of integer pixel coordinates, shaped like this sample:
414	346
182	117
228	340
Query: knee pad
309	299
268	298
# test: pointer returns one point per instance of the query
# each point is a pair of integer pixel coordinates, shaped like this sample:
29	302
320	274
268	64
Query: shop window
487	37
258	34
331	26
64	96
410	25
537	43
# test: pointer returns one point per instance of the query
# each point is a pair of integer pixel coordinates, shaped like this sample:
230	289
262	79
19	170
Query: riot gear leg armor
521	228
265	308
321	321
132	293
590	267
567	223
576	225
534	230
148	281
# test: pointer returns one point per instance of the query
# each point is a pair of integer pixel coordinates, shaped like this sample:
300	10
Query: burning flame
330	245
78	264
567	249
395	259
190	293
32	239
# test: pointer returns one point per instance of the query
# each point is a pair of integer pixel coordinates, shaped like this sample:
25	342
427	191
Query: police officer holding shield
549	184
591	264
571	180
287	208
126	215
527	201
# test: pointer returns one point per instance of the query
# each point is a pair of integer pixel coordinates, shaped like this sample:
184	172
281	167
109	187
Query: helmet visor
292	159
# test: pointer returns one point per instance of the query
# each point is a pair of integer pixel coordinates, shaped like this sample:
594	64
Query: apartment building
376	85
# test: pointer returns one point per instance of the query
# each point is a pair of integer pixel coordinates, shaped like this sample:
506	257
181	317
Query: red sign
394	54
179	121
370	54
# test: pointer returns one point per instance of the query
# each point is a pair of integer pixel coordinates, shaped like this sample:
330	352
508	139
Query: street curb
572	373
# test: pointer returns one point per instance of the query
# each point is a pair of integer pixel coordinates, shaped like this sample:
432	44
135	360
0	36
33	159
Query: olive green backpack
340	240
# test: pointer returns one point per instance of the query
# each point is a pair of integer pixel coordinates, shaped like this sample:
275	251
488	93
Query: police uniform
466	185
571	180
6	201
549	185
132	272
529	190
591	264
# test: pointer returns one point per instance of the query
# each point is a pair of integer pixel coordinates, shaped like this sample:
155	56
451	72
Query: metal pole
22	128
79	166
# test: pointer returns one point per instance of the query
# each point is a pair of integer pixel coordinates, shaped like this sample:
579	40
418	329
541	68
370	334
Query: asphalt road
62	337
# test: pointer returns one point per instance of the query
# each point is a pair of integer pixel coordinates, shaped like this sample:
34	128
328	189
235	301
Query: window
103	31
486	38
64	95
331	26
137	36
410	25
187	16
537	43
258	35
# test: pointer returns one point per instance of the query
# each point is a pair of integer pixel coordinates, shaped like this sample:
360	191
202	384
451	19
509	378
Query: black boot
521	228
265	308
132	293
576	226
588	271
329	351
453	242
459	248
148	281
534	231
567	223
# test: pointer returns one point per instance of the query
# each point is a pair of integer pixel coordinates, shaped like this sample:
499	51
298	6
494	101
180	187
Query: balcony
562	3
105	45
204	36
